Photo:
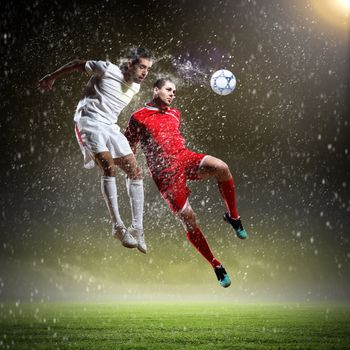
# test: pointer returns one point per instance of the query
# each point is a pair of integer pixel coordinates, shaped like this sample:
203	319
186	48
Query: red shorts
171	181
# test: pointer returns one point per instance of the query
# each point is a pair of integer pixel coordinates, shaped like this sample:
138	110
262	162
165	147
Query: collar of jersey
153	108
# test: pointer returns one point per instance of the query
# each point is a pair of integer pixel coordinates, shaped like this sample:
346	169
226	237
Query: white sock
110	195
136	195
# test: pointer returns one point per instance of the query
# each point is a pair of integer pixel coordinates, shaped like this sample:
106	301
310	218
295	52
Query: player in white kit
108	92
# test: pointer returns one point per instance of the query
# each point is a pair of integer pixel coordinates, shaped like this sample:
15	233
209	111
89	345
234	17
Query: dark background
284	132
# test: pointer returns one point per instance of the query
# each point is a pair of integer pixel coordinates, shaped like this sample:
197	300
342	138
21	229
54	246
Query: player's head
139	62
164	91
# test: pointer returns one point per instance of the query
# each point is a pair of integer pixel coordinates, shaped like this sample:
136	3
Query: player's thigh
212	166
174	190
129	165
105	162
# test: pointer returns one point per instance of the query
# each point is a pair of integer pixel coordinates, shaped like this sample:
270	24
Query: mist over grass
88	264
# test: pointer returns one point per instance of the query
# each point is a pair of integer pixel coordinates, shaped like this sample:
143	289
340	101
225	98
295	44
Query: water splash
185	71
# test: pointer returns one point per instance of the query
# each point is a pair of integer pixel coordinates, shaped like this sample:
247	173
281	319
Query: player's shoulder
100	67
175	112
114	68
109	66
140	113
101	63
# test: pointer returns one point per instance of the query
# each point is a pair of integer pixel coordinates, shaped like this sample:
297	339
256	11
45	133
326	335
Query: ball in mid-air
223	82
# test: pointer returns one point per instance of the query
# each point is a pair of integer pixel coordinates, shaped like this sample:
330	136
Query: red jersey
158	132
170	162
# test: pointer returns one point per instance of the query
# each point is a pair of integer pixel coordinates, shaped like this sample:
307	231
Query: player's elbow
79	64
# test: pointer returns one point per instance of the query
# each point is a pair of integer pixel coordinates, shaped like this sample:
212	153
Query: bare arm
48	80
133	148
132	134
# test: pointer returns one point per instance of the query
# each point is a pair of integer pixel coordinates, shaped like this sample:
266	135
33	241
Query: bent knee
107	169
135	173
223	169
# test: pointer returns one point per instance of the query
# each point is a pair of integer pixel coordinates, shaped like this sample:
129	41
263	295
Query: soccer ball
223	82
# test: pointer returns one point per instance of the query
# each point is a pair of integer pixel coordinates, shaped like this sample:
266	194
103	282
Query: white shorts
95	137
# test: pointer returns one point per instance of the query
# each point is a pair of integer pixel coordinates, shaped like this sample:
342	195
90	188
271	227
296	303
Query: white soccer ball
223	82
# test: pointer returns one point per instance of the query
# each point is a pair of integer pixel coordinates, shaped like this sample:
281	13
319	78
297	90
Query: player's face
166	93
139	71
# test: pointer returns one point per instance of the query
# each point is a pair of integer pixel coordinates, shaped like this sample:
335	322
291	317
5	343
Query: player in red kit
157	128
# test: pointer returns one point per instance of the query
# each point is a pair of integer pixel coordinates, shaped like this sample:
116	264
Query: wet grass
174	326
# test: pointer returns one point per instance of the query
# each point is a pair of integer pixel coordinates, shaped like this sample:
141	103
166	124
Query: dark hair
134	54
161	82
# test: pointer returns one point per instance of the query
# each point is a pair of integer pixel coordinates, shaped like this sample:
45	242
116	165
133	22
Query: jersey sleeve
132	133
96	67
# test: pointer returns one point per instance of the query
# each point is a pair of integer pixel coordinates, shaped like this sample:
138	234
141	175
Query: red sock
227	190
197	238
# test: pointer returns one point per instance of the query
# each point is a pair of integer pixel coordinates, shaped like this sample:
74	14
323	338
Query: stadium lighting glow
345	4
335	12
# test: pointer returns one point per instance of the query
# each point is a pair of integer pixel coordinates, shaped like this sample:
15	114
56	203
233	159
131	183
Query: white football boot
121	233
140	238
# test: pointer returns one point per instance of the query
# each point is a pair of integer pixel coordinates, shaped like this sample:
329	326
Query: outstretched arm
48	80
132	134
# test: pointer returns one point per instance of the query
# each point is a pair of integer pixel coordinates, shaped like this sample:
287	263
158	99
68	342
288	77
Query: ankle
215	263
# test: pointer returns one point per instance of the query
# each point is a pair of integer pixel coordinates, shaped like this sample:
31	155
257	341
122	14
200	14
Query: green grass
187	325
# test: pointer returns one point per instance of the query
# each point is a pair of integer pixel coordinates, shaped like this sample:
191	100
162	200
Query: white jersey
106	93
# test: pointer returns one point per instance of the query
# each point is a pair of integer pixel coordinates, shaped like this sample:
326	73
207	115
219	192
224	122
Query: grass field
174	326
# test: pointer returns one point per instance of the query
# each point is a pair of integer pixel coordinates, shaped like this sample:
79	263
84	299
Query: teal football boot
237	226
223	277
